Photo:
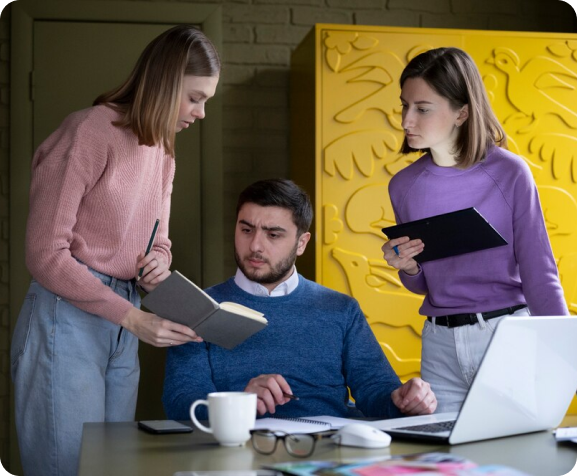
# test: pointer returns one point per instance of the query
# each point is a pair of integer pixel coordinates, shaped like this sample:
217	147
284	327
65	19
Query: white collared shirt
256	289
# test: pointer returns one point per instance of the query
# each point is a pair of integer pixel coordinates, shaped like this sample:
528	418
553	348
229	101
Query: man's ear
302	243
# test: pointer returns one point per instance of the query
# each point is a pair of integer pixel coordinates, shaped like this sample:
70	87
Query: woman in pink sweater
99	182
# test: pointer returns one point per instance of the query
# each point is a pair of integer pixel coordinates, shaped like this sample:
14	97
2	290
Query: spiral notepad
292	425
305	420
302	425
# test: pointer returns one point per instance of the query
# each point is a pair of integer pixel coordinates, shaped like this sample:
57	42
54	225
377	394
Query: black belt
457	320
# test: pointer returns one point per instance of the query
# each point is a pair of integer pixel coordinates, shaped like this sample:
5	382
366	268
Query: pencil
150	243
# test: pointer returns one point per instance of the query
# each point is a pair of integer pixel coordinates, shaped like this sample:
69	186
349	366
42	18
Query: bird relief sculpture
356	146
541	86
387	305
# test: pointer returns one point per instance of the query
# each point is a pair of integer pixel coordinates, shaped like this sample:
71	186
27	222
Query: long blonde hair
149	100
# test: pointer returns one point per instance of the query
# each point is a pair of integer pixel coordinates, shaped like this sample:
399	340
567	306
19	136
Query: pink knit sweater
94	197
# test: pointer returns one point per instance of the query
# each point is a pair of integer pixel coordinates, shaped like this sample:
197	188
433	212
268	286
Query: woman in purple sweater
99	182
447	115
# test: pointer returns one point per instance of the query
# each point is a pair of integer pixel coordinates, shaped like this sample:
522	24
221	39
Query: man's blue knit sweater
316	338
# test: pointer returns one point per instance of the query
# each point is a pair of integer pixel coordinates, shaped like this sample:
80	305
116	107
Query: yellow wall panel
347	77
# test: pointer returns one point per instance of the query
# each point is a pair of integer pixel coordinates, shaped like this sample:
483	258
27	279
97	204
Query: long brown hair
452	73
149	99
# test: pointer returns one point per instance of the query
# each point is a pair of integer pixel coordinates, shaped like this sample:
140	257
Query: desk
121	449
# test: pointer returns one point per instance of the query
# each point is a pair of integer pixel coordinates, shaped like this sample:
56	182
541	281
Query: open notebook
226	324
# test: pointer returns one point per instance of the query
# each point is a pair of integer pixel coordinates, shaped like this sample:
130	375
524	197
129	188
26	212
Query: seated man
317	342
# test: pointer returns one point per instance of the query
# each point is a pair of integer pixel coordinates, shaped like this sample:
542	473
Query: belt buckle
451	324
470	318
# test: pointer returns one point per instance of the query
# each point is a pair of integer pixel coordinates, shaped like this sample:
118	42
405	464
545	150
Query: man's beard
277	272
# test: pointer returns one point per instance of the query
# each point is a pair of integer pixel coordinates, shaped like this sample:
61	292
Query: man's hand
415	397
269	390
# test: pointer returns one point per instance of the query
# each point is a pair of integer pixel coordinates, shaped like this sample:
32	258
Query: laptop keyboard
431	427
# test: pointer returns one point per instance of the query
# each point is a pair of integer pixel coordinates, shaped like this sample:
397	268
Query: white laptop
525	383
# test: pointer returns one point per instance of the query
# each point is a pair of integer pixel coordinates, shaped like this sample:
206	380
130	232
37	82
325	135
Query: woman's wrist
413	271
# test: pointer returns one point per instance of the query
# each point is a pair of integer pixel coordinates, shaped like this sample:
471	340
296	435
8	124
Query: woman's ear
463	115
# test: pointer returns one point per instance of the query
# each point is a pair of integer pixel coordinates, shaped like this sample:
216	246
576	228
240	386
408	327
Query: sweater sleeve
162	243
65	168
188	378
367	371
537	267
416	284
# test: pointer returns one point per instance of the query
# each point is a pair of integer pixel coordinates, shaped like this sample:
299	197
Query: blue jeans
450	358
69	367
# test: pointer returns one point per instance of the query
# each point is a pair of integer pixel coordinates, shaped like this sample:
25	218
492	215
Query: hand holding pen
271	390
399	253
153	267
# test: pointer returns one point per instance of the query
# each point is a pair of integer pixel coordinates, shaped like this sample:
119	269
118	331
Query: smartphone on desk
164	426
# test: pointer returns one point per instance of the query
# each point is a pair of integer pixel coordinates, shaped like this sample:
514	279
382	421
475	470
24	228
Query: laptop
525	383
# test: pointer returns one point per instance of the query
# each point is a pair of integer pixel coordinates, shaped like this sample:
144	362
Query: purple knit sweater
502	189
94	197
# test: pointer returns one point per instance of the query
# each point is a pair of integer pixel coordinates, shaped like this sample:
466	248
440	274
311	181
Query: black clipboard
449	234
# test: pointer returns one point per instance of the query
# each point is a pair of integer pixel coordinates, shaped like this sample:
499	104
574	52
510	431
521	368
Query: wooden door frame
23	15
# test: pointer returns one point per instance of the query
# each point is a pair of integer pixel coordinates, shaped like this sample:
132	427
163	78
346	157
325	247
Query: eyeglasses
300	445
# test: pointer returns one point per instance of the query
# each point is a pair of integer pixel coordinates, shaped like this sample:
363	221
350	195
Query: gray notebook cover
180	300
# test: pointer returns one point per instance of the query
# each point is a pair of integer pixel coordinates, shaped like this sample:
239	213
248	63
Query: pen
149	247
288	395
396	249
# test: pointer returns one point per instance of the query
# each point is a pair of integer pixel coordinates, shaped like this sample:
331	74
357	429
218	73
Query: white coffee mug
231	416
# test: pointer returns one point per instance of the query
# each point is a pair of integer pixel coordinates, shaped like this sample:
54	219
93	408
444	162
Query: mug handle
193	417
